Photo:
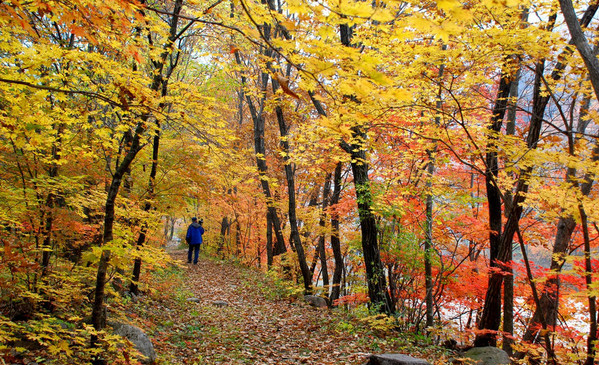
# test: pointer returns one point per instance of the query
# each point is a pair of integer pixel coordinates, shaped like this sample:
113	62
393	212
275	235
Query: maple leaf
284	83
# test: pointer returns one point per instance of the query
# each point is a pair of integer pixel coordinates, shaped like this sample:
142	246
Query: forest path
254	327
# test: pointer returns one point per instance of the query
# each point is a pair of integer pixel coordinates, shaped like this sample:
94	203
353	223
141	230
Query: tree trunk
172	232
508	285
238	237
313	202
98	312
134	287
321	238
428	228
588	266
491	316
547	309
581	42
549	297
224	229
335	241
592	64
279	247
98	317
160	83
375	273
428	248
50	202
290	175
260	150
269	243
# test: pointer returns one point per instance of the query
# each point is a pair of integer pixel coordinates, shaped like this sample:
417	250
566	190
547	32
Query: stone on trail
488	356
395	359
316	301
220	303
138	338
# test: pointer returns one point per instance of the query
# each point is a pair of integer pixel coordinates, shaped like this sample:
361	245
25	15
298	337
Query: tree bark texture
321	238
375	273
592	64
428	248
508	285
313	202
98	312
141	240
290	175
224	231
259	148
335	242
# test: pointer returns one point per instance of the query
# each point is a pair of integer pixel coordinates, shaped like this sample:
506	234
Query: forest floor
220	313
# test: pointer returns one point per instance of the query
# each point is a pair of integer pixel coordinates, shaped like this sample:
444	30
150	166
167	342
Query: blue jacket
194	234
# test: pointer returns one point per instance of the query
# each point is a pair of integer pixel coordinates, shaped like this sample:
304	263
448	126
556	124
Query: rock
316	301
220	303
138	338
195	300
395	359
488	356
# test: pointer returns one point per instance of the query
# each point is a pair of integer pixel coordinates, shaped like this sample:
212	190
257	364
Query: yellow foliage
380	322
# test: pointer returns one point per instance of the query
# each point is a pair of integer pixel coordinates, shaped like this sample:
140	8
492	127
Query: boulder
488	356
220	303
195	300
395	359
138	338
316	301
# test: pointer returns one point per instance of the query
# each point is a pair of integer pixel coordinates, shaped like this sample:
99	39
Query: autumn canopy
432	161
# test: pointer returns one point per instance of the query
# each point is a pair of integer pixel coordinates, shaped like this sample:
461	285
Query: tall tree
375	276
257	116
135	145
289	174
174	35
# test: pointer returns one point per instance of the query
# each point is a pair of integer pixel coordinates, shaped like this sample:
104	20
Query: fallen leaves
250	329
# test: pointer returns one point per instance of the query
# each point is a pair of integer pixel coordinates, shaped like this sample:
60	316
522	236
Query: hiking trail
227	318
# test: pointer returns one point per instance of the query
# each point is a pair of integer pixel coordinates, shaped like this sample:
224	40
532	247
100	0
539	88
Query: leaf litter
222	316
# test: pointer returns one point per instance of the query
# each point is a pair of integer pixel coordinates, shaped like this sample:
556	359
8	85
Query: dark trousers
196	252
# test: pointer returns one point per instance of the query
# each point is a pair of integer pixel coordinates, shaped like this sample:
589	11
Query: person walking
194	239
